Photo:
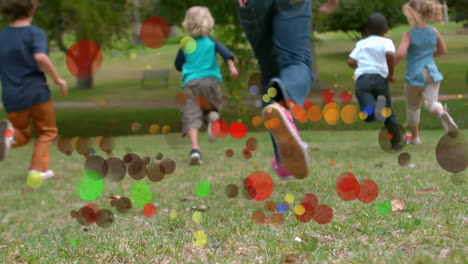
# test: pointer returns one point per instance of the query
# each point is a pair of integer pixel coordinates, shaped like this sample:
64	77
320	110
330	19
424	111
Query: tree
459	10
103	22
351	16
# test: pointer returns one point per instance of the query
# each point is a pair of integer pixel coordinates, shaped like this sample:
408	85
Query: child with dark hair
373	61
25	93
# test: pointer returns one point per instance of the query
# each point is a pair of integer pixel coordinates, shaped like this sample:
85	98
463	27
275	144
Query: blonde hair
198	21
420	12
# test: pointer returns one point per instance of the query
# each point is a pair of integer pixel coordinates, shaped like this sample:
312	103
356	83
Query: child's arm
403	49
40	51
180	60
353	57
228	57
391	66
352	63
441	46
46	65
329	6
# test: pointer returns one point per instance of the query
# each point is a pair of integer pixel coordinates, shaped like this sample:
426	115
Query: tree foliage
459	10
351	16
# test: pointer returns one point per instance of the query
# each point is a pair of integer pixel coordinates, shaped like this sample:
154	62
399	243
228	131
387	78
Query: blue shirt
23	82
421	55
201	62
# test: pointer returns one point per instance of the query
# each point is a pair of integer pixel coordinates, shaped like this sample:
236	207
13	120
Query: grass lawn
119	77
37	226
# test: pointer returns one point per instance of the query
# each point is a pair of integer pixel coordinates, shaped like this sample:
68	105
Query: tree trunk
317	84
136	23
445	11
86	83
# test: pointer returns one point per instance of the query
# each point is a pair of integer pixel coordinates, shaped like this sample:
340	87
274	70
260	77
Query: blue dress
421	55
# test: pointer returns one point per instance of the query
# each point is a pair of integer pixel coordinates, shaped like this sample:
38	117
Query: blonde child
25	93
421	44
201	77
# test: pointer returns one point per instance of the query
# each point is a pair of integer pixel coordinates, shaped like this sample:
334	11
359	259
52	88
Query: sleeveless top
421	55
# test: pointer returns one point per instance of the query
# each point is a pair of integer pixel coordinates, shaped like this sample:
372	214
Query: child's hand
63	86
391	78
243	3
234	72
329	6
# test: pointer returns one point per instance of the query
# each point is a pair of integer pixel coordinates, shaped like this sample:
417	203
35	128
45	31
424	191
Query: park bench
155	78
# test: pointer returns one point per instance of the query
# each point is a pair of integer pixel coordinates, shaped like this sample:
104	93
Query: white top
370	55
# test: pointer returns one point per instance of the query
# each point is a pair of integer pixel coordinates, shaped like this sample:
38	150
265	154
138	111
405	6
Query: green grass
119	77
37	227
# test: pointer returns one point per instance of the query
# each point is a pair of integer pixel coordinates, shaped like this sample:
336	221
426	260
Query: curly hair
17	9
420	12
198	21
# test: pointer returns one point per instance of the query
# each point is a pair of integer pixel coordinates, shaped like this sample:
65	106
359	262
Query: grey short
203	96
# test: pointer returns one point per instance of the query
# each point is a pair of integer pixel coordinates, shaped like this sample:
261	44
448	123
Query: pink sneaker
281	171
291	148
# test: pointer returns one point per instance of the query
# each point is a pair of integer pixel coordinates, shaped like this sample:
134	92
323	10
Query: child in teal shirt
201	76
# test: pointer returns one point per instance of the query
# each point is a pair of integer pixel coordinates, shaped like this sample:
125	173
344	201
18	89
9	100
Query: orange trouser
43	117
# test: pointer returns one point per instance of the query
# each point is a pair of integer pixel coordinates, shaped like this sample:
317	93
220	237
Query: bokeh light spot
270	206
384	208
154	32
238	130
251	144
202	189
84	58
90	185
257	121
229	153
346	97
153	129
282	208
347	182
299	209
452	153
253	90
197	217
349	114
123	205
231	190
141	194
259	218
34	179
323	214
149	210
219	128
188	45
199	239
105	218
259	185
272	92
368	191
276	219
173	214
289	198
386	112
314	113
266	98
404	159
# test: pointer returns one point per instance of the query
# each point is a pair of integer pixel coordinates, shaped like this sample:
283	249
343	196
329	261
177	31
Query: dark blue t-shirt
23	82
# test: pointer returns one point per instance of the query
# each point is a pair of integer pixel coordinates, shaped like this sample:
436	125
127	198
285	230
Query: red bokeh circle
84	58
259	186
311	199
154	32
219	128
238	130
323	214
346	97
369	191
149	210
347	182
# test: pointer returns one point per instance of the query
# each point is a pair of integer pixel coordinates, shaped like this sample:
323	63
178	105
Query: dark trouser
368	88
279	33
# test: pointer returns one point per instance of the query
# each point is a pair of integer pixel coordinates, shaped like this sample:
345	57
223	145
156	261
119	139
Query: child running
279	33
421	44
201	77
373	61
25	93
